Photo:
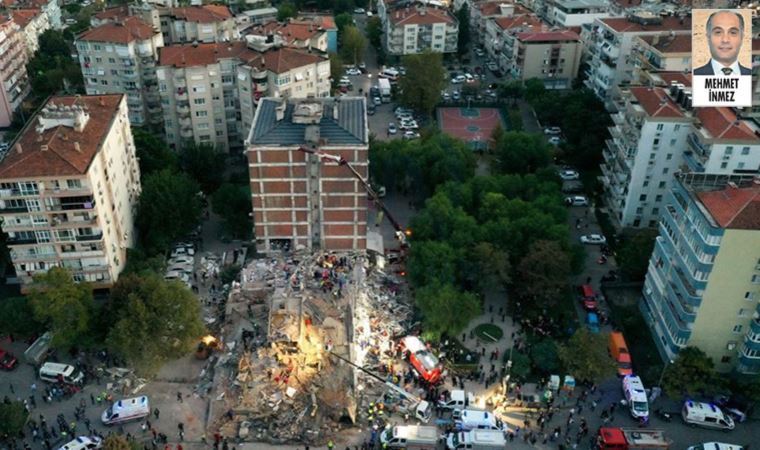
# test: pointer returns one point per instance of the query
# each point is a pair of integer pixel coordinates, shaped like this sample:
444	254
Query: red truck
7	360
423	361
631	439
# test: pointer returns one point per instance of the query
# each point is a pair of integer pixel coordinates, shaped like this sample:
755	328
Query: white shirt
717	69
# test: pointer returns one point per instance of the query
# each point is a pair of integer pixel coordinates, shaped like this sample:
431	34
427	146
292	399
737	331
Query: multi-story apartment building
661	53
721	143
13	57
482	12
645	150
415	28
318	33
574	13
500	31
33	23
51	9
551	56
609	42
299	200
210	91
203	23
120	57
68	189
703	283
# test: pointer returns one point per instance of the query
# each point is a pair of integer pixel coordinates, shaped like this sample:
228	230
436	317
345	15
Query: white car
353	71
185	259
593	239
469	78
552	131
409	135
576	200
84	443
555	140
181	268
358	10
176	275
409	125
377	101
445	96
180	251
458	79
392	128
402	110
404	116
568	175
492	66
456	95
479	52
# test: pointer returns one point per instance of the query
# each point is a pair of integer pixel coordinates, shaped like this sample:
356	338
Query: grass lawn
489	332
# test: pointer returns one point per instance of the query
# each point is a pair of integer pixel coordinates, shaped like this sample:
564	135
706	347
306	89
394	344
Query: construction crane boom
399	230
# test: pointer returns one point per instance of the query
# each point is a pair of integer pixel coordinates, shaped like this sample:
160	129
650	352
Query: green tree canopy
424	80
205	164
342	21
692	373
51	69
544	356
543	275
285	11
374	31
153	152
63	305
168	209
17	317
493	268
233	204
158	320
520	364
463	18
336	68
353	44
446	309
585	356
634	253
511	90
13	416
519	152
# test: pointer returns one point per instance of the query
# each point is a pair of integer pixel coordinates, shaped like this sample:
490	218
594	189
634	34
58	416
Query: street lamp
662	375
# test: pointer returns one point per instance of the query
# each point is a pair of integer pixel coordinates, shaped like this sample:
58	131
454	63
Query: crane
401	234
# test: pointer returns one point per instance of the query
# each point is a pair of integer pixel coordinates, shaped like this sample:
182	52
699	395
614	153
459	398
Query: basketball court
472	125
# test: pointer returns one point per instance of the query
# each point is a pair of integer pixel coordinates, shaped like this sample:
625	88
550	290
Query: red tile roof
202	14
61	156
420	16
119	12
734	207
679	77
291	32
680	43
275	60
722	123
325	21
23	16
656	102
623	25
121	32
520	20
493	8
548	36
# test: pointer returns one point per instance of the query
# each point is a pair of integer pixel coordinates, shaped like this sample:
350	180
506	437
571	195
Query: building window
639	210
669	157
658	198
729	151
665	171
725	359
662	184
655	211
672	142
749	296
723	165
660	127
643	197
755	279
738	328
677	127
740	165
742	312
201	113
745	151
199	101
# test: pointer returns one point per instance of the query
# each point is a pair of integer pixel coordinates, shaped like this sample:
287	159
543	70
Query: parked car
7	360
456	95
180	251
492	66
377	101
555	140
371	108
576	200
551	131
479	52
183	259
392	128
568	175
593	239
353	71
468	77
404	116
458	79
445	96
344	81
572	187
409	135
359	11
409	125
363	67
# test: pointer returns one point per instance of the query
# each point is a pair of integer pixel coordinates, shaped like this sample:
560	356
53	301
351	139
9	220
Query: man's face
725	38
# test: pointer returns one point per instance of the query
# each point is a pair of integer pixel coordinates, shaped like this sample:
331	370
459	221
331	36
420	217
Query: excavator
400	233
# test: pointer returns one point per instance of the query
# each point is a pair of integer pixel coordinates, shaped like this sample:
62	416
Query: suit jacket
708	70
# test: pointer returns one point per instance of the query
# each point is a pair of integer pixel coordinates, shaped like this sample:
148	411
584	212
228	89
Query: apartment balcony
148	61
89	237
128	62
86	202
13	209
186	132
185	122
128	75
180	96
82	254
21	241
180	82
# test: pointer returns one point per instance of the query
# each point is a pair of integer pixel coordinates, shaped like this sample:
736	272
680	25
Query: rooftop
63	138
493	8
722	123
548	36
678	43
121	32
582	4
202	14
656	102
119	12
520	20
627	25
290	31
678	77
23	16
340	121
420	15
734	207
277	60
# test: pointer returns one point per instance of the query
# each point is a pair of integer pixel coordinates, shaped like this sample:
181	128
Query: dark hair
708	26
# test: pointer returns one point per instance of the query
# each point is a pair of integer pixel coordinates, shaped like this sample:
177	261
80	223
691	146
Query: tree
585	356
445	309
520	364
432	262
511	90
353	44
692	373
138	262
463	18
17	317
534	89
13	416
63	305
543	274
342	21
285	11
374	30
233	204
205	164
336	68
168	209
634	253
153	152
158	321
424	81
52	69
116	442
519	152
494	270
544	356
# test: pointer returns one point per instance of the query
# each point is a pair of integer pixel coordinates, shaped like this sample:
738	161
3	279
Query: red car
7	360
588	297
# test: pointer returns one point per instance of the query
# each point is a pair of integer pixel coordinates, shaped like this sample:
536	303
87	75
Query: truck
410	437
476	440
38	352
385	89
457	400
611	438
423	360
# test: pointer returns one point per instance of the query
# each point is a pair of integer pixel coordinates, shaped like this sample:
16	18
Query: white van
410	437
715	446
476	440
636	396
84	443
706	415
390	73
472	419
125	410
55	372
457	400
